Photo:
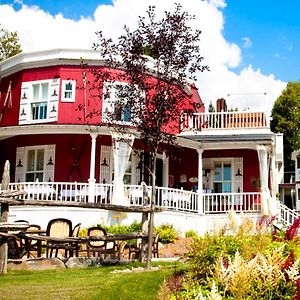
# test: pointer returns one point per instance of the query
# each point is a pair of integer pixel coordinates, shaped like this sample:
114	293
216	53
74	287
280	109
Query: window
68	90
222	177
115	103
35	165
40	101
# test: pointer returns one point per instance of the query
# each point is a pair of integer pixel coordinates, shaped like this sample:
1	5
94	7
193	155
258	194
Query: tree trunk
151	219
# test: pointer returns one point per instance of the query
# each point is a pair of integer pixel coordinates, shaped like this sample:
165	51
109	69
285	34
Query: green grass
90	283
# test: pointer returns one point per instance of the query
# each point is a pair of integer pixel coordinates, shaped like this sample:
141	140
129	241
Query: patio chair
75	246
121	248
99	248
155	246
135	249
33	246
58	228
17	246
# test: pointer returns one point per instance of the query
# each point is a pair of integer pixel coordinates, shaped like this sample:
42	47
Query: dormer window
68	91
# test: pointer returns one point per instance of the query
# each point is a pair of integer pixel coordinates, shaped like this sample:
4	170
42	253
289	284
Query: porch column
92	179
268	204
200	182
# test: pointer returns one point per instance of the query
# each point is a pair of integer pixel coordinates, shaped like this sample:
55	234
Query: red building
227	160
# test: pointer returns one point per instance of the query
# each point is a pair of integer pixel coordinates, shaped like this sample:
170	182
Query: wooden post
4	218
145	222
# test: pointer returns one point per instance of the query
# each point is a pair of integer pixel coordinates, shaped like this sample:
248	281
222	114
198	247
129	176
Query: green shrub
168	234
122	229
191	234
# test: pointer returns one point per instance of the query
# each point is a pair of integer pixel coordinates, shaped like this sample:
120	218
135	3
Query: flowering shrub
244	262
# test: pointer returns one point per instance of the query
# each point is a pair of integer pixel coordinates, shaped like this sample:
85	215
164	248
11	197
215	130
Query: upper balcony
207	122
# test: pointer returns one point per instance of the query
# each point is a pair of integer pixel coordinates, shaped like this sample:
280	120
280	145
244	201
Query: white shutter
49	168
26	98
105	171
53	97
107	101
238	175
20	170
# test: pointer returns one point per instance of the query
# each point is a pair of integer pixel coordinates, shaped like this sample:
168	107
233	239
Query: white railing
167	198
286	215
63	191
239	202
223	120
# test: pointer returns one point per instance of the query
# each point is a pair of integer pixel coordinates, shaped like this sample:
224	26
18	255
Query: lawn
90	283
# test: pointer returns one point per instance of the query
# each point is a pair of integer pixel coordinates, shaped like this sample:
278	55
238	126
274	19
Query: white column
92	179
200	182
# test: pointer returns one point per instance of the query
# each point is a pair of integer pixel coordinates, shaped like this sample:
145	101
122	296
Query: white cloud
246	42
38	30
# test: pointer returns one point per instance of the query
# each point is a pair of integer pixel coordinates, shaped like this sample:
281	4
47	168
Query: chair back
93	231
76	229
59	227
156	238
32	228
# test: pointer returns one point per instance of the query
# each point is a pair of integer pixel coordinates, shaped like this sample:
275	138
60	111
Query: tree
286	119
158	60
9	43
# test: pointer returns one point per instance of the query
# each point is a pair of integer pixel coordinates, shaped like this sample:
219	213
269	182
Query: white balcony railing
167	198
224	120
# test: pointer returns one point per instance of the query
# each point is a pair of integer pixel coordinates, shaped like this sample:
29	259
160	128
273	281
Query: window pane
39	176
40	160
36	89
68	86
218	172
226	188
217	187
227	172
44	91
29	177
30	160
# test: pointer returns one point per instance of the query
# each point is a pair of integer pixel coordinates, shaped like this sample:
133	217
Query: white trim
71	99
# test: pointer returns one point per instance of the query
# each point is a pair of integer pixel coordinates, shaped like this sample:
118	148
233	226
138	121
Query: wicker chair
59	228
100	248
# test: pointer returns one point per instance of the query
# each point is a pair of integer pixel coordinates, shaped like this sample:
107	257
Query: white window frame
40	100
222	162
64	90
22	162
35	148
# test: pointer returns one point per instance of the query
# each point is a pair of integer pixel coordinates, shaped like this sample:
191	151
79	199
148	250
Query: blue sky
251	46
273	27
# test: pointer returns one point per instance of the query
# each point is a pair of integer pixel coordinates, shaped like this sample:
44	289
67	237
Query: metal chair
58	228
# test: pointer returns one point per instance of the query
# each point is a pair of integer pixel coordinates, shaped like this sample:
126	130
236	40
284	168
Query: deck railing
167	198
286	215
224	120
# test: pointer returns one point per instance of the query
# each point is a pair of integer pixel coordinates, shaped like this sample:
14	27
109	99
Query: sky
251	46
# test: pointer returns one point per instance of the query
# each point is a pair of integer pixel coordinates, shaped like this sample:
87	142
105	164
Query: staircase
286	216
